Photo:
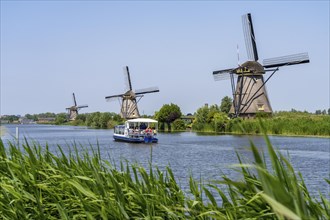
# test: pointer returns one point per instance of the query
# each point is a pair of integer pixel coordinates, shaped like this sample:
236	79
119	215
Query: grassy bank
36	184
284	123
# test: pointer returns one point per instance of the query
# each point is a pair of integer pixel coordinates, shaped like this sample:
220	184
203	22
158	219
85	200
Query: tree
179	125
213	109
32	117
220	121
60	118
81	117
168	113
104	119
201	118
226	103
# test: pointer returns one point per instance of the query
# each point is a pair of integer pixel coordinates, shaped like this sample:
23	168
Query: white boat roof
145	120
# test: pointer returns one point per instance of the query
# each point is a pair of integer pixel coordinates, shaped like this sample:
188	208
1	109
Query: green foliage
285	123
179	125
289	123
226	103
201	115
168	114
210	119
9	118
46	115
81	117
61	118
220	121
102	120
37	184
31	117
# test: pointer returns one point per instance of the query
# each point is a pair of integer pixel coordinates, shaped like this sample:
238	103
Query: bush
179	125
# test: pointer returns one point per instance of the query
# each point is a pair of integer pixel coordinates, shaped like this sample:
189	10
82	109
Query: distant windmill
73	110
249	93
129	99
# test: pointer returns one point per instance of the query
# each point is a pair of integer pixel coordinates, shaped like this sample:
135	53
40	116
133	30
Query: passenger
143	126
148	130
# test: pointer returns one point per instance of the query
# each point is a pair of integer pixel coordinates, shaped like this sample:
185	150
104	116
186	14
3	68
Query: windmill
130	99
73	110
249	92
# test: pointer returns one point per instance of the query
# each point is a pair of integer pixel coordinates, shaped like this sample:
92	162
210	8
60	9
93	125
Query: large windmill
249	92
130	99
73	110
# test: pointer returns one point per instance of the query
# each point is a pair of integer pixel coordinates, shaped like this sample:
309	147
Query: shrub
179	125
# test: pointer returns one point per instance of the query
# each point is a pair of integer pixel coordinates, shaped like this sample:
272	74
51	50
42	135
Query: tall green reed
37	184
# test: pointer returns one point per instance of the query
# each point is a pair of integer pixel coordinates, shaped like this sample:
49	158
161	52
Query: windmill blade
250	40
74	99
286	60
222	74
113	99
82	106
128	78
147	90
114	96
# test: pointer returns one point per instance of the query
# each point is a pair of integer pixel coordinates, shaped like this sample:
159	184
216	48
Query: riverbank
254	134
287	124
299	124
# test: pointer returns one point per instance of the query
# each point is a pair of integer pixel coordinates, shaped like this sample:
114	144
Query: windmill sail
146	90
250	40
294	59
223	74
127	78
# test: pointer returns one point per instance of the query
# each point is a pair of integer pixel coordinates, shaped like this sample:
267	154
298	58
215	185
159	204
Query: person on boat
143	126
148	130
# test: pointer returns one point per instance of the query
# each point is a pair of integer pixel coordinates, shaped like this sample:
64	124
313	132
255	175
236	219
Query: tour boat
138	130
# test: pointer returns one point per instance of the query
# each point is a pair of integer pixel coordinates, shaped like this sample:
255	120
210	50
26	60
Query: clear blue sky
50	49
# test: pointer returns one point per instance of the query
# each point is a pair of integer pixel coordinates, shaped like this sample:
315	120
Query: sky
50	49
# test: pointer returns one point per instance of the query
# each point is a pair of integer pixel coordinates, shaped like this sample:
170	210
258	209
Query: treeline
95	120
213	118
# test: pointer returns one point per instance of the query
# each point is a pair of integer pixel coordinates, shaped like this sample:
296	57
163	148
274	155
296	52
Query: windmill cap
251	67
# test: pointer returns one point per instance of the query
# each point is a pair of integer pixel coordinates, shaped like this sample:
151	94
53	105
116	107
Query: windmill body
73	110
250	94
129	107
249	91
129	99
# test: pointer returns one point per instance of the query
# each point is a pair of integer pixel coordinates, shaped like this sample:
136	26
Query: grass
37	184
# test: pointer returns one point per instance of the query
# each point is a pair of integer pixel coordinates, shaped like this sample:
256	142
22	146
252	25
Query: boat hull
145	139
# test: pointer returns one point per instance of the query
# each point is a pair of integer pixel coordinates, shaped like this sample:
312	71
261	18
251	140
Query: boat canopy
143	120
